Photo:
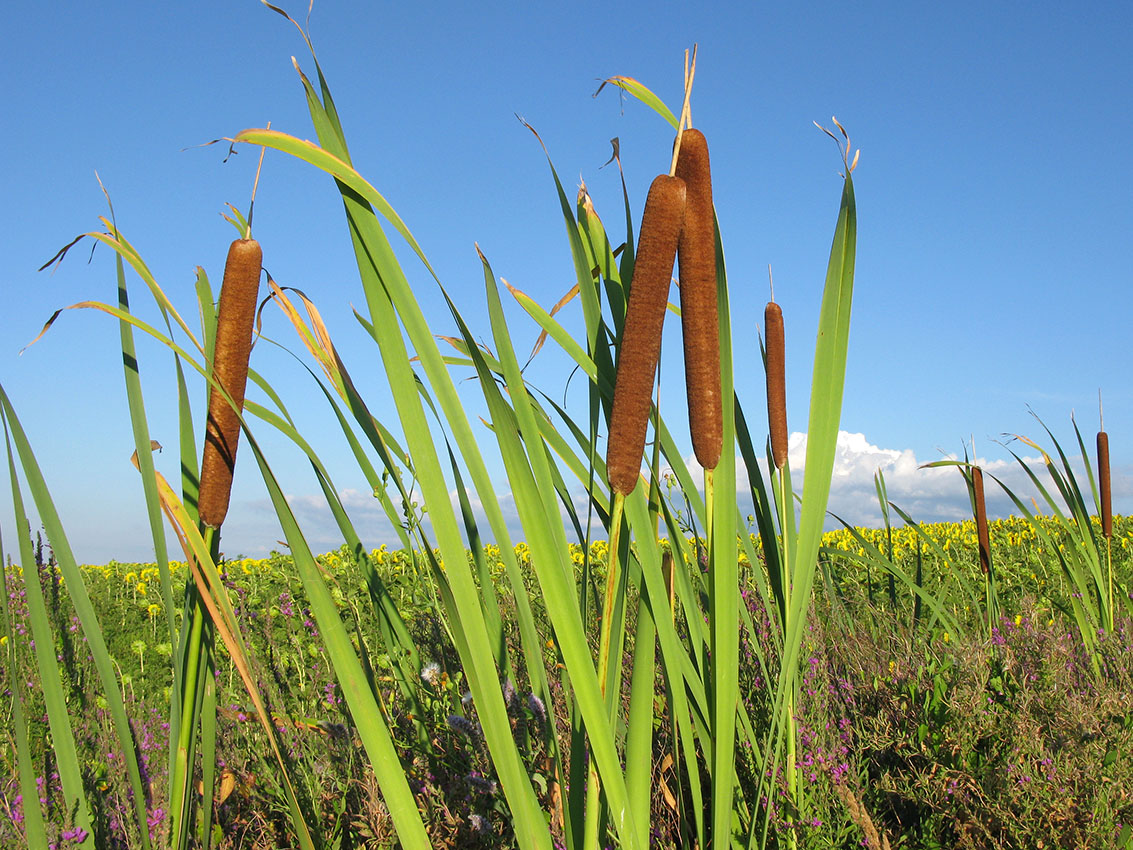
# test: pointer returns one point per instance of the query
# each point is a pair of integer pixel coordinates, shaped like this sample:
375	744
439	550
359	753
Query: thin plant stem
1109	566
792	778
181	783
613	580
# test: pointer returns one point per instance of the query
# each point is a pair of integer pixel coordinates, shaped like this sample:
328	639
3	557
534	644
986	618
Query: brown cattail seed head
776	382
981	519
696	259
1104	485
236	314
641	336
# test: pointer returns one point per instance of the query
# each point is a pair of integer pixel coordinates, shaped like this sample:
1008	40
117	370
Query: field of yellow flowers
960	733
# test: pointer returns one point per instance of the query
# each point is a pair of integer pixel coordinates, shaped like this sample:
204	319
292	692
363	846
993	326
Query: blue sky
994	250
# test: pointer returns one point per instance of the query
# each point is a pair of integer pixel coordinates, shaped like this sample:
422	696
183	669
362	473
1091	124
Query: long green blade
50	675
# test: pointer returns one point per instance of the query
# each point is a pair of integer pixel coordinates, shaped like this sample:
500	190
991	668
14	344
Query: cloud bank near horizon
926	494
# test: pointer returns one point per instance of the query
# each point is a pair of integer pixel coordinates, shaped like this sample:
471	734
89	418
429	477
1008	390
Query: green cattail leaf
388	293
642	93
338	168
50	675
724	578
364	710
530	478
827	385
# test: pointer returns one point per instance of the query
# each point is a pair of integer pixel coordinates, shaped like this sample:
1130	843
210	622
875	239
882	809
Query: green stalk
827	387
791	732
180	793
721	516
388	293
1109	568
62	738
34	829
615	588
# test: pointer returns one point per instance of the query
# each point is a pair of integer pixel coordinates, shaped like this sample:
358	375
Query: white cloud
927	495
936	494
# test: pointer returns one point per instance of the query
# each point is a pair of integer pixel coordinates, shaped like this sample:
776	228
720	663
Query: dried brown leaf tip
641	336
844	145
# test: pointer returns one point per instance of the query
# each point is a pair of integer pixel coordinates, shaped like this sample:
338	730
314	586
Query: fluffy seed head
641	335
696	257
235	317
776	382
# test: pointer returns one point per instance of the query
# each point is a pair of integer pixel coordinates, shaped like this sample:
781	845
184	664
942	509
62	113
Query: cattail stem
235	317
786	573
605	625
776	382
613	582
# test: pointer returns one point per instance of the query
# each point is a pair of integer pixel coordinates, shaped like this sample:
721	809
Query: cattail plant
641	339
776	383
696	256
601	788
235	316
661	223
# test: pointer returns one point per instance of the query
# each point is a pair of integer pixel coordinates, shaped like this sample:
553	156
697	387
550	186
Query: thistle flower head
431	673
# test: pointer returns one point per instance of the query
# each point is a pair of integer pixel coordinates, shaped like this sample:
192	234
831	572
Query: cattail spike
981	520
641	336
1104	484
776	382
235	316
696	257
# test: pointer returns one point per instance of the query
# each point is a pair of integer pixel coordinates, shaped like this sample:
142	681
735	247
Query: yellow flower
141	588
153	609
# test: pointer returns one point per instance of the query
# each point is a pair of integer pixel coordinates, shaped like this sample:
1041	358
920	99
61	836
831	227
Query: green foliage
925	729
709	688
